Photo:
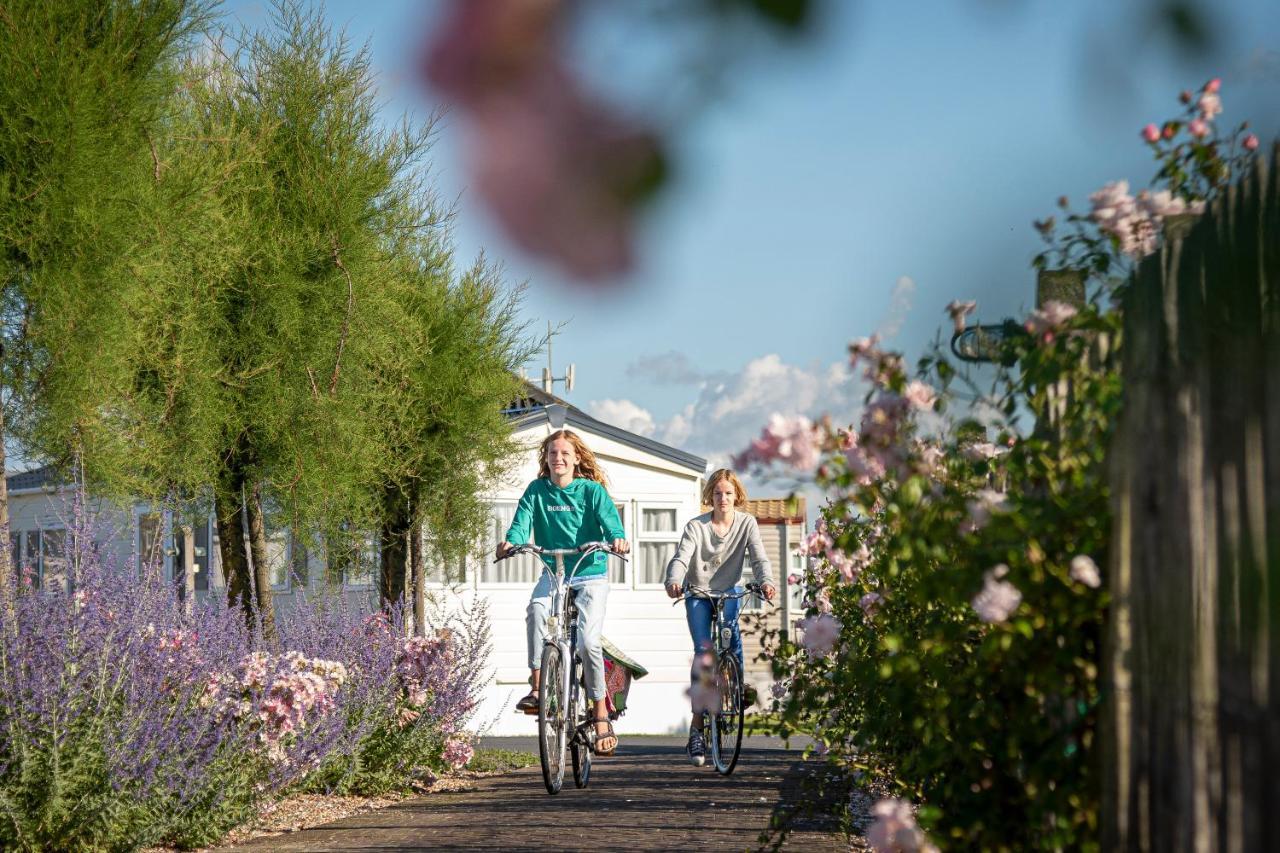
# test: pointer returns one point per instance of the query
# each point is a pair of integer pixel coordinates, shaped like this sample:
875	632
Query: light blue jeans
592	594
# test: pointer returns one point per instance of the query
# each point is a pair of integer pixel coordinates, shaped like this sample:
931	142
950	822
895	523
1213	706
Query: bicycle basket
619	672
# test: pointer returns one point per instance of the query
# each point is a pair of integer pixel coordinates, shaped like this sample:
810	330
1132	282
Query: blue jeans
697	612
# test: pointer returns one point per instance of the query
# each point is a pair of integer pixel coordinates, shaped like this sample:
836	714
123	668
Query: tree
446	435
82	93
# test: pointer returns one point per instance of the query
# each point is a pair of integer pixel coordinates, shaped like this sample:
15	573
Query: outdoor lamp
556	414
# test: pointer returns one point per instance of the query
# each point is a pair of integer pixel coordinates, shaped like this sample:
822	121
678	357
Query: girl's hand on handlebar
504	548
769	591
674	590
621	546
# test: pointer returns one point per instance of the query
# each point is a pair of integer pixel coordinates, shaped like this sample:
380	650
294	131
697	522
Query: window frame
662	536
626	572
491	544
164	536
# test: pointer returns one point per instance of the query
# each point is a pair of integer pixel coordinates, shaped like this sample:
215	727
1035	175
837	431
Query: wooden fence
1192	735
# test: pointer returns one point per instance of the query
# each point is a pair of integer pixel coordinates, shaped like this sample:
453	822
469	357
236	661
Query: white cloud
904	290
729	413
668	368
623	414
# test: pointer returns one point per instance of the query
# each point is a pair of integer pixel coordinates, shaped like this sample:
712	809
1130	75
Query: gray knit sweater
707	561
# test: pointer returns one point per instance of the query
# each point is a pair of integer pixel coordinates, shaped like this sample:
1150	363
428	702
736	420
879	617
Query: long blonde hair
586	467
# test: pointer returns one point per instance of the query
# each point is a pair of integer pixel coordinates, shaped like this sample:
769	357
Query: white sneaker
696	749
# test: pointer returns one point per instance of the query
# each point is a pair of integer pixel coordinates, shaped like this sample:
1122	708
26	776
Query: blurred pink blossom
959	311
1213	85
870	603
1151	133
983	505
981	451
793	441
921	395
998	598
1117	213
1198	127
1044	322
1084	570
895	829
561	171
820	634
1210	105
1250	142
457	753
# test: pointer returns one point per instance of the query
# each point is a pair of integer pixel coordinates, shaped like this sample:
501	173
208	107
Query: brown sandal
595	744
528	705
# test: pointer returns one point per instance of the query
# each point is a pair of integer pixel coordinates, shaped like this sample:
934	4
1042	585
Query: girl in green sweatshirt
566	506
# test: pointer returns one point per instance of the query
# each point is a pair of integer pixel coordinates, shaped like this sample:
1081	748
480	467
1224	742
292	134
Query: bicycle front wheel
726	722
580	746
553	718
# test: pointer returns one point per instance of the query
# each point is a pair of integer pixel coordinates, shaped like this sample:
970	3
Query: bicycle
724	724
565	715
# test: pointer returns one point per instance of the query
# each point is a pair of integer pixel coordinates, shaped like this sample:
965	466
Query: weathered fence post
1192	750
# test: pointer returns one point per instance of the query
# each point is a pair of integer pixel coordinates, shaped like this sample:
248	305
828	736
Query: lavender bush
125	722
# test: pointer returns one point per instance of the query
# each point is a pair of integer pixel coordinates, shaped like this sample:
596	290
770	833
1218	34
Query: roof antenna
548	379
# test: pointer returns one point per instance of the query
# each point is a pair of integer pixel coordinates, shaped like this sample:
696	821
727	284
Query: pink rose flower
959	311
921	395
1198	127
1250	142
1084	570
1210	106
1213	85
998	598
1151	133
820	634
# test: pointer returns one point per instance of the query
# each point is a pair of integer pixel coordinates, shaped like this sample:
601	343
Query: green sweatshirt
565	518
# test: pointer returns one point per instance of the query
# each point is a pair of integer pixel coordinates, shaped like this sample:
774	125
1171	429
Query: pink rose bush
1196	160
913	648
954	598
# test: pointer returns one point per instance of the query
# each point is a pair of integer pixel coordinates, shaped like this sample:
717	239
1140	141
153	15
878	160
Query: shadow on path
647	797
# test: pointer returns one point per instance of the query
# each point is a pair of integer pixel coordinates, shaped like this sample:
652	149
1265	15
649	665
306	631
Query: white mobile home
656	487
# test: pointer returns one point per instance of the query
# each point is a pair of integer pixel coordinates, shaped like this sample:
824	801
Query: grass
768	723
500	760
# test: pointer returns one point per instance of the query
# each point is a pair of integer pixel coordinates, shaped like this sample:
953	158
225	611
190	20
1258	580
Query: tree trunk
261	568
418	563
7	574
228	498
188	567
396	525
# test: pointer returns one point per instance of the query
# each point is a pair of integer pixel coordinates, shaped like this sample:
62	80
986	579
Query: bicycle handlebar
584	548
749	589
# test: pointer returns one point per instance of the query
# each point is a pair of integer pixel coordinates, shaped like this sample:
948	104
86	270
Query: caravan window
657	540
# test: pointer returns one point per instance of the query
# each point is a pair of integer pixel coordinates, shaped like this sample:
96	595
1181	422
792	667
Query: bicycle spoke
551	719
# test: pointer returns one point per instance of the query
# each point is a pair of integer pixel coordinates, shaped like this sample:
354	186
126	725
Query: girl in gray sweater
710	557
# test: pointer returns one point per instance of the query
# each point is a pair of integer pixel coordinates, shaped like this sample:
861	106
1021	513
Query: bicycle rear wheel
726	723
552	718
580	747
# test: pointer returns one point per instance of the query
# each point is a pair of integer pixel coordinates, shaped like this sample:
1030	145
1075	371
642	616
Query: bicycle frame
722	647
562	634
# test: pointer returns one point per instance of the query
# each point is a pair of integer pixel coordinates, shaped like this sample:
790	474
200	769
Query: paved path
647	797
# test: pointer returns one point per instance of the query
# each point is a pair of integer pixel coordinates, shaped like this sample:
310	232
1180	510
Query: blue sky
852	184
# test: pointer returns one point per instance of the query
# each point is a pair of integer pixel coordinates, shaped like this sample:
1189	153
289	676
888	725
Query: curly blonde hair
724	474
586	467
